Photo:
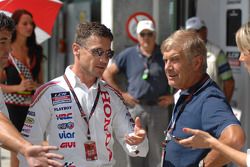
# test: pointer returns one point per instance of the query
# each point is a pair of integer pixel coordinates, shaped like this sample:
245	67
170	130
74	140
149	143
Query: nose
104	59
241	58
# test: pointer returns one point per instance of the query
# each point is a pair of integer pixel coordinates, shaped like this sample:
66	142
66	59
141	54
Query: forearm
10	138
111	80
9	88
234	137
236	156
228	89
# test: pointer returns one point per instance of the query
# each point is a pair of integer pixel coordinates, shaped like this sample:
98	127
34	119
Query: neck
20	41
84	77
147	51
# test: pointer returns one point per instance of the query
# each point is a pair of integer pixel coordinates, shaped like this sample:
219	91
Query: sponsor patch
62	108
27	125
68	145
32	113
25	135
60	98
69	164
67	125
29	120
64	116
26	130
67	135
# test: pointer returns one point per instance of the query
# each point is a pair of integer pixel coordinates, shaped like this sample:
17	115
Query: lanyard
186	99
80	107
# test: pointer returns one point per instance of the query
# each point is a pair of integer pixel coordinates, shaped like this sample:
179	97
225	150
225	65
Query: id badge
90	151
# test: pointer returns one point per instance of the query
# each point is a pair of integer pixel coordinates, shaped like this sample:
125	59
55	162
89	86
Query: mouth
171	76
102	67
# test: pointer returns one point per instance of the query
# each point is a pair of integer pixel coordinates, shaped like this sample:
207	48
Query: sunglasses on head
149	34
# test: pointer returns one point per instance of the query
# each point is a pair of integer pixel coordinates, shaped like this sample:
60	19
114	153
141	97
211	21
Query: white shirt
55	112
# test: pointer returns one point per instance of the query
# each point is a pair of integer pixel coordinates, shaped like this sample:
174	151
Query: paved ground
5	158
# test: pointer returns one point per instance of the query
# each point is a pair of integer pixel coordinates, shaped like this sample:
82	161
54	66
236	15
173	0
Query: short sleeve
224	69
217	115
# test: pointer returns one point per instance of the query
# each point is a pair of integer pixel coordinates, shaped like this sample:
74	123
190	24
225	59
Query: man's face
245	58
5	40
93	58
202	33
146	38
178	69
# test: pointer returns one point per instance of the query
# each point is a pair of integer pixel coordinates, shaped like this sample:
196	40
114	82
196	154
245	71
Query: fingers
53	163
54	155
48	148
138	123
51	155
133	140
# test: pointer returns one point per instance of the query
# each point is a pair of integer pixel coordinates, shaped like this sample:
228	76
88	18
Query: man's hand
200	139
165	101
129	100
138	136
39	156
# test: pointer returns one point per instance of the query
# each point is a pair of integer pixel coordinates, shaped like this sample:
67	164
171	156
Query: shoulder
213	48
210	89
42	89
128	51
112	91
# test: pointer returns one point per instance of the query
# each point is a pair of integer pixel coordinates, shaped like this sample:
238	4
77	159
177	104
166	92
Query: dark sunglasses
149	34
98	52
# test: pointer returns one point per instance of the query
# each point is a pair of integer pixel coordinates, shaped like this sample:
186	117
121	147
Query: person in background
218	67
147	93
79	112
201	105
201	139
24	73
10	138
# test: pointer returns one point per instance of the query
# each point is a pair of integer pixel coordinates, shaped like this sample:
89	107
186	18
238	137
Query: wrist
23	148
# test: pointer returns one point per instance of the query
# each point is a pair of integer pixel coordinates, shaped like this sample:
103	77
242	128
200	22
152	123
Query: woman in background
201	139
24	72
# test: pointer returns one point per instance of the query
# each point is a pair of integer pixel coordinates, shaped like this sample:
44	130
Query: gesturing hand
138	135
39	156
200	139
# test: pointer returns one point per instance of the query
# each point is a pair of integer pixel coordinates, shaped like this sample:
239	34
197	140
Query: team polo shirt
209	111
132	63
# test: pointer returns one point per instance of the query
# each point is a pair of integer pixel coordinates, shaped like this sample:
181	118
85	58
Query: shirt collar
75	81
198	86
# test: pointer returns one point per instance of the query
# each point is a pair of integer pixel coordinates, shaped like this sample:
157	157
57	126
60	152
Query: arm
24	85
36	123
202	139
166	100
35	155
232	136
132	138
109	76
228	88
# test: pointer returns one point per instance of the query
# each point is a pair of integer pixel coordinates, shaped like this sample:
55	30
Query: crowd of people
85	109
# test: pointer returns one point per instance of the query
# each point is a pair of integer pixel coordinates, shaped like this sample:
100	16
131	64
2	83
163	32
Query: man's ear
76	49
197	62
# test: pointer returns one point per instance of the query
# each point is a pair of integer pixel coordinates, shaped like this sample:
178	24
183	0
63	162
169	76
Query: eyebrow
172	56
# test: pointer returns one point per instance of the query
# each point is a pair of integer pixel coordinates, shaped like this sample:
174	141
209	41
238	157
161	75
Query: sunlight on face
245	58
178	69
